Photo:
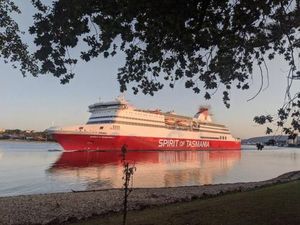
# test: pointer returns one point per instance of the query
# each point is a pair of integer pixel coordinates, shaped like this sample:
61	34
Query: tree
12	49
210	44
128	171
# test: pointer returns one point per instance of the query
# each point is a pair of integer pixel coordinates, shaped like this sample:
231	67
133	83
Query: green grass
275	205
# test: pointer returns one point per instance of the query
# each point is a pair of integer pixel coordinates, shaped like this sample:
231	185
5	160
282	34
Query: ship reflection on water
100	170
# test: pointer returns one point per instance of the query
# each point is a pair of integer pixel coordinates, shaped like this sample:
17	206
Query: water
32	168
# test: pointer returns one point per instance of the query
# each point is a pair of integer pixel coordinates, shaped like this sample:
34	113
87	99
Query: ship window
116	127
100	128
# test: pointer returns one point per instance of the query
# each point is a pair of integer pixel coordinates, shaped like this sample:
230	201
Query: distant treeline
29	135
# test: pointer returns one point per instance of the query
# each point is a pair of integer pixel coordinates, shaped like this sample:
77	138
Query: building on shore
2	130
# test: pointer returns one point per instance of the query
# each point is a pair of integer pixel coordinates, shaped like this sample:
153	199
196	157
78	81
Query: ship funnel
203	114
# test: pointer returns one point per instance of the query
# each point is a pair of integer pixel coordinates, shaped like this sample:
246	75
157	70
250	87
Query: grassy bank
279	204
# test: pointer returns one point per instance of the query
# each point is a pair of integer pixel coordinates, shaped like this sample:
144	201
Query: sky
36	103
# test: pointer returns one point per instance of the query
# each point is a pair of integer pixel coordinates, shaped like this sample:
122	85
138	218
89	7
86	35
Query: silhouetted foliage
206	43
12	49
287	117
209	45
259	146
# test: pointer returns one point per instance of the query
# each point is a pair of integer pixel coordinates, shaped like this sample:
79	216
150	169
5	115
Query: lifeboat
183	123
170	121
155	111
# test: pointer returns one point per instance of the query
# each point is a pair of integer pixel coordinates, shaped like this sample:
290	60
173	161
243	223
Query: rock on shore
62	207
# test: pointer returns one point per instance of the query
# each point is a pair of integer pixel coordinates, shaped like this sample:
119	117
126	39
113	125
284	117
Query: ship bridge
121	112
119	103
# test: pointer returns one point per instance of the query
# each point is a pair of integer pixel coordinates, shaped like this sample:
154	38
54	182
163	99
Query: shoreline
57	208
26	141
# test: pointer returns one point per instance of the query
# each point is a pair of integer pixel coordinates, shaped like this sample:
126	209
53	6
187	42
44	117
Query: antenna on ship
121	97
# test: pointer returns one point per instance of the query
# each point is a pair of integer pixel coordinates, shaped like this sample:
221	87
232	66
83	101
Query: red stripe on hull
74	142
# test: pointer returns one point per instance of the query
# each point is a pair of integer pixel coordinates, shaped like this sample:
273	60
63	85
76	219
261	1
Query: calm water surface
31	168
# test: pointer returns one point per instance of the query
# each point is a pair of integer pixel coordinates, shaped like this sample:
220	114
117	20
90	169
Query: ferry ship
117	123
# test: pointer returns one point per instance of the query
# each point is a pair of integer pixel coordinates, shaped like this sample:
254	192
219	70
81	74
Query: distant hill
264	139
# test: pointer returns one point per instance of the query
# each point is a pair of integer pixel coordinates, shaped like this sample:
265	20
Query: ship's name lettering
202	144
167	143
182	143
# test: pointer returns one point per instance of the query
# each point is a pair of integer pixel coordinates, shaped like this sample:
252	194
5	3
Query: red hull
75	142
